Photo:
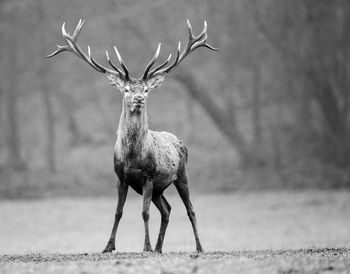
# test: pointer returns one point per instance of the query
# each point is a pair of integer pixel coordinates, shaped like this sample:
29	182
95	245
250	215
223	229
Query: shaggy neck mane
132	130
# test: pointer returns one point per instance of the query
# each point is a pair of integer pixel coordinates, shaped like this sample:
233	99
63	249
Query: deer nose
138	98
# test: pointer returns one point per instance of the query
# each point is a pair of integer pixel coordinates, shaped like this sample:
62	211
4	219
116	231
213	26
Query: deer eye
127	89
145	88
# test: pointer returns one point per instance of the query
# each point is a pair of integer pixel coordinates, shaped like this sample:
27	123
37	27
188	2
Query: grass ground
286	232
264	261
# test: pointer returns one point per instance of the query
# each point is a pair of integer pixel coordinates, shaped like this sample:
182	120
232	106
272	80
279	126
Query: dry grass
232	224
265	261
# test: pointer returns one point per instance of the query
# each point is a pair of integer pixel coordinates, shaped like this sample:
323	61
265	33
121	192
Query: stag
147	161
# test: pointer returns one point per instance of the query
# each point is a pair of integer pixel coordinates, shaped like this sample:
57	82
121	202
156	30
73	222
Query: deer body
140	152
147	161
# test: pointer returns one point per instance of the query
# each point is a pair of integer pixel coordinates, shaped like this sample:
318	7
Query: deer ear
156	81
115	80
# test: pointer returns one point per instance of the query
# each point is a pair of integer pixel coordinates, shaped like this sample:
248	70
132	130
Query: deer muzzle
138	101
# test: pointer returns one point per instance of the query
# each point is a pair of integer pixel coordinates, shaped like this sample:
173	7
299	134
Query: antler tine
71	40
73	46
78	28
113	65
153	71
126	72
176	61
190	32
201	40
203	35
193	43
194	39
92	60
61	48
151	63
57	51
205	26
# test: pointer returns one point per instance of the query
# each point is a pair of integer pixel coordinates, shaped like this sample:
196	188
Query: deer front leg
122	193
147	197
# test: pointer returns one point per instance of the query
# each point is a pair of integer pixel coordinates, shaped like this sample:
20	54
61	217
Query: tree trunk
336	127
49	121
256	107
2	126
13	145
68	104
46	94
190	123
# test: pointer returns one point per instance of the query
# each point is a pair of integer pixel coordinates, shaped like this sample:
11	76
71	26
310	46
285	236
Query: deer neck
132	132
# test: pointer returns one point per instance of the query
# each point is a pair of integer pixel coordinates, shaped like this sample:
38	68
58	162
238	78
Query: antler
73	46
193	43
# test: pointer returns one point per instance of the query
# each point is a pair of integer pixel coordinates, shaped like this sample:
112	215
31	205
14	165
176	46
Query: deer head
135	91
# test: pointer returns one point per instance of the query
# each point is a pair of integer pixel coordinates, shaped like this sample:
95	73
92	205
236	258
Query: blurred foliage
268	110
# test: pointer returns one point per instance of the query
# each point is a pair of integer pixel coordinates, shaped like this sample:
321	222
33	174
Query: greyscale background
265	119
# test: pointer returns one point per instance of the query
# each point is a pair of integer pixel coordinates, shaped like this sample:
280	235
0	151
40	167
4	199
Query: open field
264	261
287	232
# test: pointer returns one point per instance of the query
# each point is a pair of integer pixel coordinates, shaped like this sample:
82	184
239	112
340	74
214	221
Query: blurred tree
239	49
11	65
223	119
256	102
2	120
277	89
190	120
69	105
45	88
317	50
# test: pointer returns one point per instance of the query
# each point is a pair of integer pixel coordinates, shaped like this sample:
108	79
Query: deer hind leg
163	206
147	190
122	193
181	185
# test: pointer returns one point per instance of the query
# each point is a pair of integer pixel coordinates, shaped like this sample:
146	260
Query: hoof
109	248
147	249
200	249
159	251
